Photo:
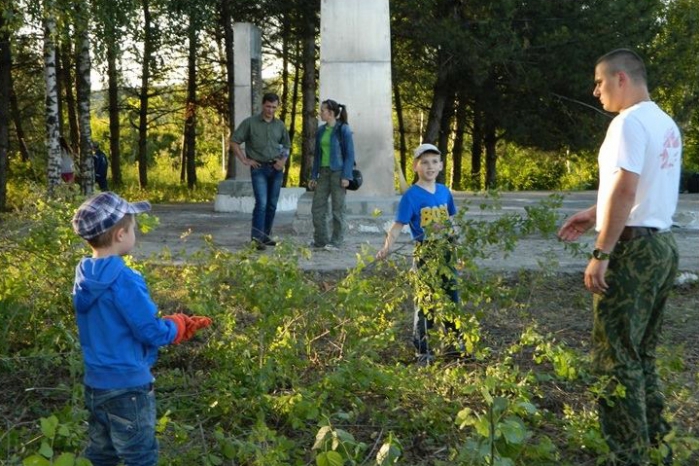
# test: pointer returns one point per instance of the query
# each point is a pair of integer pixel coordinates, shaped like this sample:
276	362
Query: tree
148	47
189	149
84	90
51	115
5	87
309	27
521	66
226	17
673	68
111	19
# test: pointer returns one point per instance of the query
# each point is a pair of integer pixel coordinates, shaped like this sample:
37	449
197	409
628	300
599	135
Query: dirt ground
183	227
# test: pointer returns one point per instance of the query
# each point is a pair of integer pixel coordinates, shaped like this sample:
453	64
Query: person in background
67	165
331	174
428	208
101	164
267	146
119	333
635	259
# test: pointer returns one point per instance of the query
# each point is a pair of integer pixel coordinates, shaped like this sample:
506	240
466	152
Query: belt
630	233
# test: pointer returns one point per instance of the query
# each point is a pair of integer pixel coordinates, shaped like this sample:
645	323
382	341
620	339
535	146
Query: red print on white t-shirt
671	142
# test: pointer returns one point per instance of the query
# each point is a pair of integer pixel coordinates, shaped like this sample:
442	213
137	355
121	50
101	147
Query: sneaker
425	359
270	242
312	244
331	248
259	245
455	350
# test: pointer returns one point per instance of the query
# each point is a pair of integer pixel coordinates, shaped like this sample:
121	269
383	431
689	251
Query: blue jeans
266	185
122	426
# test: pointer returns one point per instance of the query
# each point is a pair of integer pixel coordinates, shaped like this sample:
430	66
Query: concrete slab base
237	196
365	214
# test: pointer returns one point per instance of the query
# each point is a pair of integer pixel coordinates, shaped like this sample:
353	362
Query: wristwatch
600	255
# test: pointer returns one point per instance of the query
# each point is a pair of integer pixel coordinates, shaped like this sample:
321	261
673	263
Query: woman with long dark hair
331	174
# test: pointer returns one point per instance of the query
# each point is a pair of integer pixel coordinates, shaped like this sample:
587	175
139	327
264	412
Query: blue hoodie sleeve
140	312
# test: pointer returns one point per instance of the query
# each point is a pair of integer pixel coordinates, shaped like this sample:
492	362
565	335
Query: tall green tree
5	87
144	93
84	91
111	19
674	72
190	139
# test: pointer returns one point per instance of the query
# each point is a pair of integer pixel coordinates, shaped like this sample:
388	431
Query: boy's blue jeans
122	426
266	185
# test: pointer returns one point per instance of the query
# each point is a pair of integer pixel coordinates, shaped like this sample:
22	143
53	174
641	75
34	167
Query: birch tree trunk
51	117
83	86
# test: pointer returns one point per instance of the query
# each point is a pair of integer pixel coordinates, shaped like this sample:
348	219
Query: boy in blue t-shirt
427	207
119	335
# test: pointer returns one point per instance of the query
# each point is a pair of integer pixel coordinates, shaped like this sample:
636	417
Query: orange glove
194	324
181	321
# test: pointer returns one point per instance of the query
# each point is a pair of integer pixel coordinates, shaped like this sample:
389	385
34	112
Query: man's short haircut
270	97
106	239
625	60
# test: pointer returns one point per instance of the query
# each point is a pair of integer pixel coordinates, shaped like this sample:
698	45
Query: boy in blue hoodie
119	335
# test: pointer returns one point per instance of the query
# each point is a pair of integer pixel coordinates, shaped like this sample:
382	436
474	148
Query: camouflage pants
626	331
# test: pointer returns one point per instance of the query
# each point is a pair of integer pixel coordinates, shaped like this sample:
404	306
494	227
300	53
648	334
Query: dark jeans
433	261
122	426
266	185
102	182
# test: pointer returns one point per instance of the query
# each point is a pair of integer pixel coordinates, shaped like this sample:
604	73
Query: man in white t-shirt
635	259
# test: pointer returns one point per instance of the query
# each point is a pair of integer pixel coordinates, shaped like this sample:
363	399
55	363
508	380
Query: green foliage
532	170
302	367
59	435
34	293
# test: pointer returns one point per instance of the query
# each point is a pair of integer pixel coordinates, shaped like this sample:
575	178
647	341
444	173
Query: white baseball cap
422	148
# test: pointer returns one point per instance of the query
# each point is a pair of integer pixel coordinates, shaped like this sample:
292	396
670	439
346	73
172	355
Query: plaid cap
101	212
422	148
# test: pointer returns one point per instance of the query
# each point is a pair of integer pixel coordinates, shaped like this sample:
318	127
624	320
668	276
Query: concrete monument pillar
235	194
247	79
355	69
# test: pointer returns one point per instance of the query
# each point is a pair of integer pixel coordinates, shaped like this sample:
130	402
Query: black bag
357	178
356	181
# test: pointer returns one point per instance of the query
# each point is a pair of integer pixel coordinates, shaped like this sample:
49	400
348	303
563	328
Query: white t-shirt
644	140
